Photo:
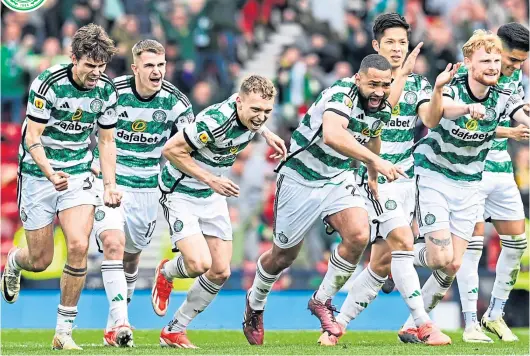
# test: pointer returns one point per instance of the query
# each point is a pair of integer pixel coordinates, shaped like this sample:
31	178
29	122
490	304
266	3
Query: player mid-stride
65	103
194	190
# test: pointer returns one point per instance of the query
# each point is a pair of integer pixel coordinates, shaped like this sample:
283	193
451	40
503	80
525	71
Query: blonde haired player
149	110
449	161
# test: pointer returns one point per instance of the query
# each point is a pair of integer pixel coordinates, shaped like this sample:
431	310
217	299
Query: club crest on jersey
377	127
472	125
390	204
139	126
411	97
283	238
159	116
96	105
178	225
512	86
77	115
203	136
490	114
38	103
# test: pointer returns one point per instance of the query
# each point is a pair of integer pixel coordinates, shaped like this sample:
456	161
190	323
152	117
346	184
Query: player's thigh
504	207
37	202
296	208
464	203
140	214
214	218
184	229
345	210
221	252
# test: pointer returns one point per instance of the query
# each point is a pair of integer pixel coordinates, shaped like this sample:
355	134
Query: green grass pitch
37	342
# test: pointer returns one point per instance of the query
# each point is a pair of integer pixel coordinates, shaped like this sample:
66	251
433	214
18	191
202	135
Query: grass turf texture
37	342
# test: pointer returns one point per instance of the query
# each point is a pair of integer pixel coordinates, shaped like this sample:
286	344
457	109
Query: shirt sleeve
184	115
41	100
520	90
425	92
199	134
339	103
514	103
108	118
448	91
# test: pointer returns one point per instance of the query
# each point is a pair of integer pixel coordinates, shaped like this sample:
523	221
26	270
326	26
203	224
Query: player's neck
144	92
478	90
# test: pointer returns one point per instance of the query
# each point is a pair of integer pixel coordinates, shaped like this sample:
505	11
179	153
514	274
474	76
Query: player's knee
452	267
77	250
358	238
41	262
438	261
113	249
198	266
219	276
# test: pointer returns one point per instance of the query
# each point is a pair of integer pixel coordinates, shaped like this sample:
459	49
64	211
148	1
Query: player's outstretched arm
520	115
177	150
336	136
34	146
399	81
107	149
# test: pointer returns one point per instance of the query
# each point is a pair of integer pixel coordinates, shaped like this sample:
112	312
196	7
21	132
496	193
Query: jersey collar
473	97
133	88
70	75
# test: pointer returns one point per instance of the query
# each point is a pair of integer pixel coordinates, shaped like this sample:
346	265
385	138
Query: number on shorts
150	229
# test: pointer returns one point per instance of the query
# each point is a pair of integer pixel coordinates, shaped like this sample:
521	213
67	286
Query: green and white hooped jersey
456	149
216	136
397	138
144	126
310	161
498	159
70	113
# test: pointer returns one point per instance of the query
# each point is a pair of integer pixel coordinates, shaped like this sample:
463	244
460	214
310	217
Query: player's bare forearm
336	136
107	156
36	150
521	117
373	145
177	151
397	88
436	109
503	132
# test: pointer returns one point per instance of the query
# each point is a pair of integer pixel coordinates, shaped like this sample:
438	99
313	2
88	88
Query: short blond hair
147	46
258	84
92	41
482	38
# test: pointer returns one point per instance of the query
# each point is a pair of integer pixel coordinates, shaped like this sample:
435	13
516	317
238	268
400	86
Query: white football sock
433	292
200	295
116	290
495	309
13	262
261	287
65	319
339	271
131	279
467	278
420	255
508	264
362	292
408	284
175	268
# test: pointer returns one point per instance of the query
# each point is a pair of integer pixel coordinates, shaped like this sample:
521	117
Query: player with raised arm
315	182
65	103
391	206
500	203
449	161
149	110
194	190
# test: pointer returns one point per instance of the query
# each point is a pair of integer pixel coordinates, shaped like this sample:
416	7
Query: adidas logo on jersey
65	106
123	114
464	135
136	137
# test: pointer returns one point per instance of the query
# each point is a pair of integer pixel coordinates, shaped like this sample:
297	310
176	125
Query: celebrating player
149	109
315	182
501	203
391	208
449	161
194	192
65	102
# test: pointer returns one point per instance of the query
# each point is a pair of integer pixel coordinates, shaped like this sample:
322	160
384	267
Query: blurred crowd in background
208	43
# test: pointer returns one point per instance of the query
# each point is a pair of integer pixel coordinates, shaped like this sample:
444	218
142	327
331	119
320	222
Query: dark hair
374	61
514	36
391	20
92	40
